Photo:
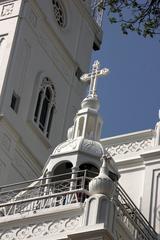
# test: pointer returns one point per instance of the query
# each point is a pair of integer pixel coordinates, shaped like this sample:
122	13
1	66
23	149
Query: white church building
89	188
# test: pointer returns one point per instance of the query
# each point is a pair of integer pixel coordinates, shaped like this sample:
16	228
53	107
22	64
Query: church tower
45	46
78	196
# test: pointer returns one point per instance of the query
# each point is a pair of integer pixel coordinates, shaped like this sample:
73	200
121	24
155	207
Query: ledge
128	136
71	209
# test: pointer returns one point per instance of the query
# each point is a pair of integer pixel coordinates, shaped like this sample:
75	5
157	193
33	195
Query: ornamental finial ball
102	184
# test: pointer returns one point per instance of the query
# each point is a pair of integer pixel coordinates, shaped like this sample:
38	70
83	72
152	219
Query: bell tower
45	46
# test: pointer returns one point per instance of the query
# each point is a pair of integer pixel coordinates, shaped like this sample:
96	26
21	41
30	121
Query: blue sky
130	94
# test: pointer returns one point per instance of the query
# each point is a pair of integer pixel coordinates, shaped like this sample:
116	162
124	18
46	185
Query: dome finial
103	184
105	164
87	123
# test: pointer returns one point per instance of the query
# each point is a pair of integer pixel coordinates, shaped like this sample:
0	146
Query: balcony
40	195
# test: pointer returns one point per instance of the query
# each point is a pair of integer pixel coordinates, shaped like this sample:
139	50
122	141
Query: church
59	179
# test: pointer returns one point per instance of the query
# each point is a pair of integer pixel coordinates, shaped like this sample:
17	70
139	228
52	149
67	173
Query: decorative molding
92	147
68	145
41	229
80	144
130	147
7	9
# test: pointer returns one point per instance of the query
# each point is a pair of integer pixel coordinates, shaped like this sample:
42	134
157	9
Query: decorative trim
79	144
7	9
41	229
92	147
130	147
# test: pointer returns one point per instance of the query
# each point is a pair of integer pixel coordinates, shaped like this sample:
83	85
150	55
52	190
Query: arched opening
65	168
57	181
90	127
80	126
98	132
45	106
50	120
38	106
92	171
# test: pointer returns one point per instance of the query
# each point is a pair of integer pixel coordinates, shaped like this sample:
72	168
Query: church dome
79	144
72	146
90	102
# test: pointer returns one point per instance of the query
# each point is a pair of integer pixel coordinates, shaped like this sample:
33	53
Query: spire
87	123
83	143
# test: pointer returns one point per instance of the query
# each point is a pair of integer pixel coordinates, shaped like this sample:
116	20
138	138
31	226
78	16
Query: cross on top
92	77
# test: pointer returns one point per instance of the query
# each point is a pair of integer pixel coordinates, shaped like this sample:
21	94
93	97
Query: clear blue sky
130	95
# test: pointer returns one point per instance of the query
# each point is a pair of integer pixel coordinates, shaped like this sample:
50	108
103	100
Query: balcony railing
44	193
132	218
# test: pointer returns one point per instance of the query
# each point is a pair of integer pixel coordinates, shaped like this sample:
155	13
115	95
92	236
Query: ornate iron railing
132	218
67	189
44	193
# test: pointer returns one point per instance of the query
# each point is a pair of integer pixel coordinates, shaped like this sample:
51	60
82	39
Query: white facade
37	46
70	201
44	48
137	156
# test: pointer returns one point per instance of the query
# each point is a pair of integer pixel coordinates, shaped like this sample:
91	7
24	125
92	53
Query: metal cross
92	77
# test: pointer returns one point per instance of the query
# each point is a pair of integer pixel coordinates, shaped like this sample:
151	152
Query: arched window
92	171
45	106
61	169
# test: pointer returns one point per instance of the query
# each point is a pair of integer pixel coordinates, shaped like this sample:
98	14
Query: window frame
62	24
44	122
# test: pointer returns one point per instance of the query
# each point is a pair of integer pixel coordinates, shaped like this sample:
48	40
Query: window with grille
45	106
59	13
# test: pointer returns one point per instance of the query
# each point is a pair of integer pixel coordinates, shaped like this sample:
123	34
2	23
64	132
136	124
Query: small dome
90	102
102	184
79	144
